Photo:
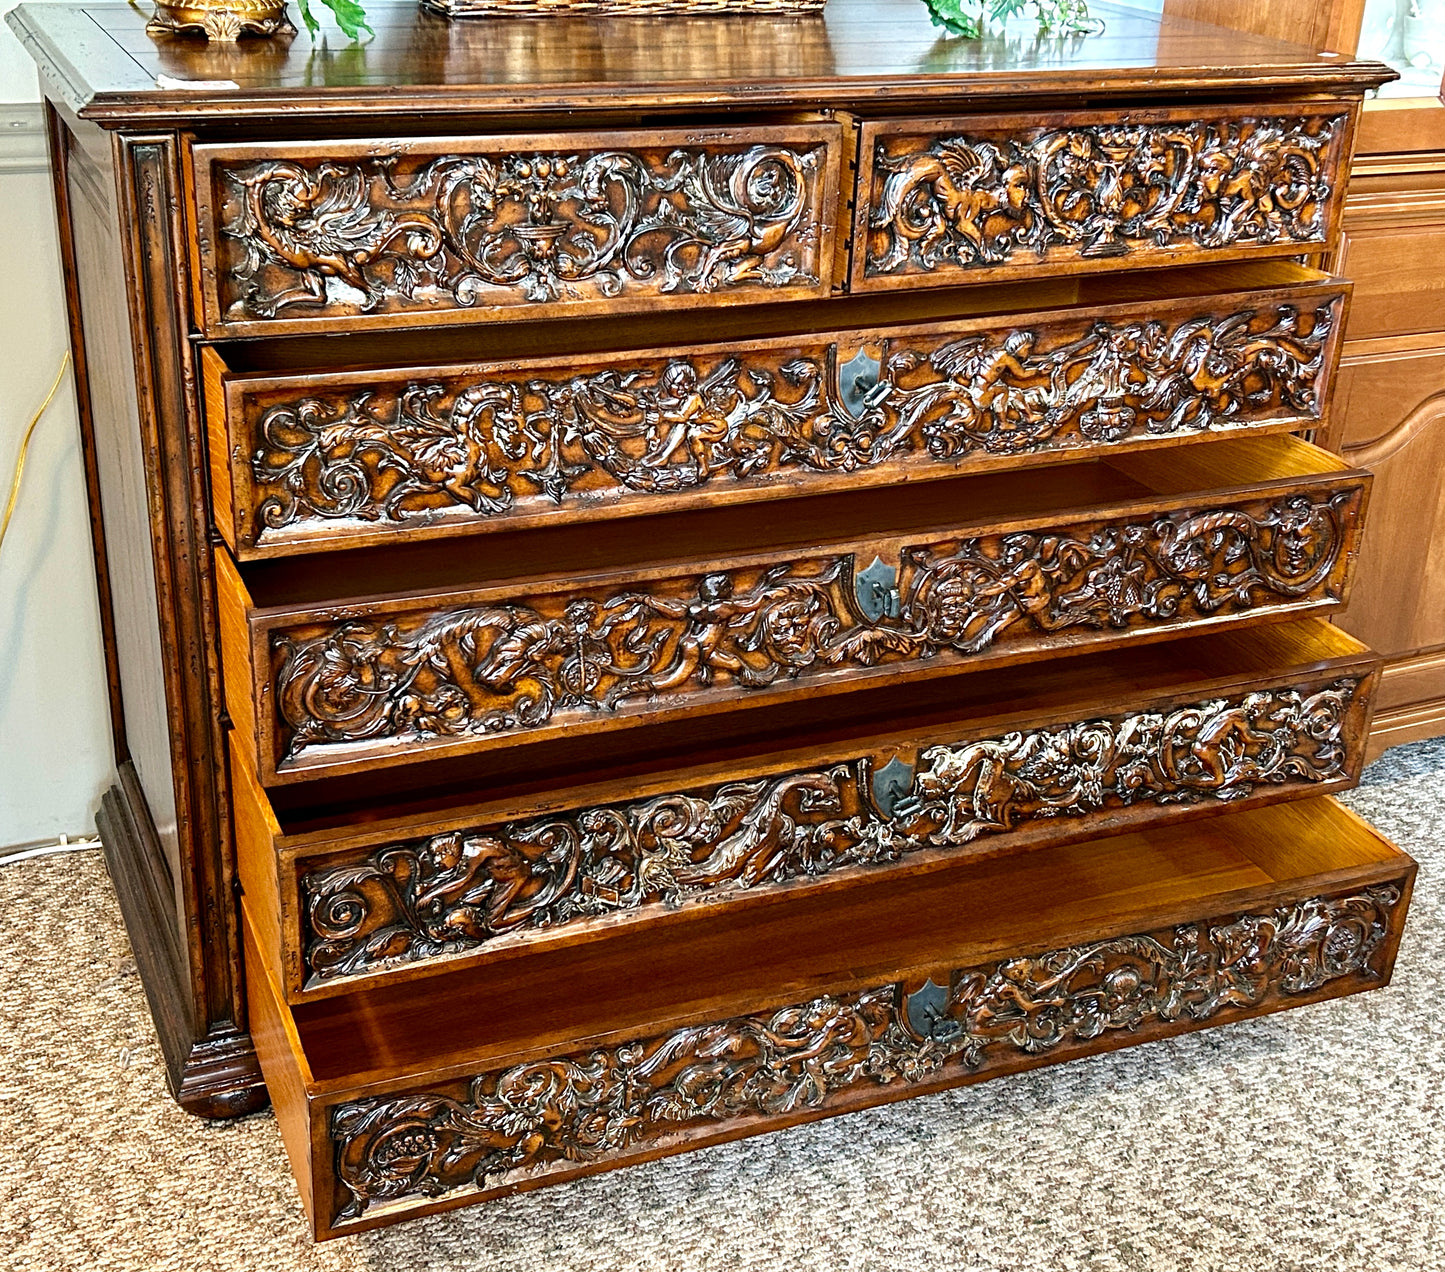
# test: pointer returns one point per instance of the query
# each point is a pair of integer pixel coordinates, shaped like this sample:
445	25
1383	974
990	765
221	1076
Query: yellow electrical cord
25	445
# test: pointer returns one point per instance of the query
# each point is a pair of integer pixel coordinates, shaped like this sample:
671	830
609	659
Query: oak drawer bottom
395	1103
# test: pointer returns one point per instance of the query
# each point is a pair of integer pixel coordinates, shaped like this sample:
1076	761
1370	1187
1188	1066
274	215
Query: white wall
55	753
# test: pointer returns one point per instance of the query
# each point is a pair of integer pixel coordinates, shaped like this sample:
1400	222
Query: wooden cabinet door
1389	417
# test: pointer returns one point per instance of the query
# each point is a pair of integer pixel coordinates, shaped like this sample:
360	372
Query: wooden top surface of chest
884	54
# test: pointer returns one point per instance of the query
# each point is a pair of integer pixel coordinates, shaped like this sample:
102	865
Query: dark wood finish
1275	713
312	460
622	209
885	53
1318	924
161	823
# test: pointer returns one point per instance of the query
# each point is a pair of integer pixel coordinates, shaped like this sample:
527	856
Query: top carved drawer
949	201
341	235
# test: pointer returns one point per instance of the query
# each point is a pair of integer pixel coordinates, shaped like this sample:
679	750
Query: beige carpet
1310	1140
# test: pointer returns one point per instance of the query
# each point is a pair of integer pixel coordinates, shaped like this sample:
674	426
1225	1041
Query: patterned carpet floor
1314	1139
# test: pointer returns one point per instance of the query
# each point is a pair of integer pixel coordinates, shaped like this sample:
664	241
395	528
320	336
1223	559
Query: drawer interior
1059	896
1270	714
527	778
507	340
1019	499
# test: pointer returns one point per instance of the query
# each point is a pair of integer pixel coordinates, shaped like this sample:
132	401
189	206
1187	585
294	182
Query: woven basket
618	8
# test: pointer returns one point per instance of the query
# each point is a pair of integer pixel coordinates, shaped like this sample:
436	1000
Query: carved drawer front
366	683
338	908
417	1097
307	461
341	235
950	201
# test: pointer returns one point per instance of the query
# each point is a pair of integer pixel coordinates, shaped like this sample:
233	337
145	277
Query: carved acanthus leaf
978	202
348	236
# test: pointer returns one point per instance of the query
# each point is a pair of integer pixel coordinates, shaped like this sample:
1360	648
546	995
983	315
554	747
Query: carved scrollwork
507	667
378	234
741	1072
412	901
482	447
977	202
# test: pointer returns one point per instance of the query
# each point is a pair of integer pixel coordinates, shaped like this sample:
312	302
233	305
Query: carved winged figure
322	223
964	200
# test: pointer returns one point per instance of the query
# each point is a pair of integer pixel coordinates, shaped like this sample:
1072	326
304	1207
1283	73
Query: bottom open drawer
410	1098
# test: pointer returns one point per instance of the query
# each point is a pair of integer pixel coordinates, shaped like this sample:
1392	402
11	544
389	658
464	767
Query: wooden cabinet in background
1388	413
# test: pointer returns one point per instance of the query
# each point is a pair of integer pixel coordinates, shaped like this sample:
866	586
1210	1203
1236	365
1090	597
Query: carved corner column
195	987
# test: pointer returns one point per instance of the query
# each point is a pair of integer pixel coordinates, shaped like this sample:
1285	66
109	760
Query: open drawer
474	437
1248	717
592	629
424	1096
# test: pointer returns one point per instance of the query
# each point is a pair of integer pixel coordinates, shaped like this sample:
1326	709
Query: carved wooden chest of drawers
648	602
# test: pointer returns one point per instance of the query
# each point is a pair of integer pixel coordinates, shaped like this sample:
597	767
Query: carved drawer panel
1204	536
307	461
978	197
341	235
419	1097
1265	715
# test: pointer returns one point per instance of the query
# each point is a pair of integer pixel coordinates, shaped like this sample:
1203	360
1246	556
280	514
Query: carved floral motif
599	1105
511	666
979	201
487	446
361	236
406	902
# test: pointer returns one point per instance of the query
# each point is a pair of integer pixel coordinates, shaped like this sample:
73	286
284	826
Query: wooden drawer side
346	235
974	198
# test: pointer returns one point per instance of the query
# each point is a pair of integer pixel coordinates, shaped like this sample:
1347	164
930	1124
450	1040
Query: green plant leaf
312	25
350	17
962	17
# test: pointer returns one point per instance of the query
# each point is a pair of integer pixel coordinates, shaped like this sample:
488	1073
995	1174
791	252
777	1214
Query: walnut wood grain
343	241
1315	924
885	53
337	909
1390	416
317	460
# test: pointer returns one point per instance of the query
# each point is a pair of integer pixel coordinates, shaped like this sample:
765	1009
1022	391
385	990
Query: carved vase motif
981	201
427	234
